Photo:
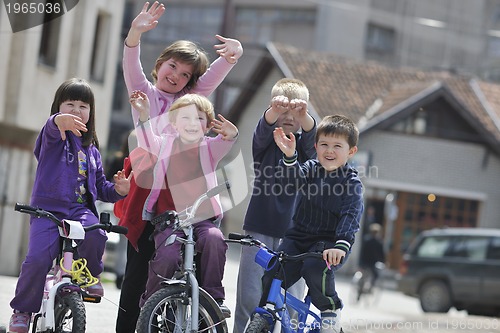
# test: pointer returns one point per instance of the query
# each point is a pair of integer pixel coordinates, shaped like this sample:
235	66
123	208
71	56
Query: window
494	249
472	248
380	39
258	26
47	53
434	247
99	52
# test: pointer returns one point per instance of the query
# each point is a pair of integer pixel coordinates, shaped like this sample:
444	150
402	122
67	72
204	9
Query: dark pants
134	282
319	279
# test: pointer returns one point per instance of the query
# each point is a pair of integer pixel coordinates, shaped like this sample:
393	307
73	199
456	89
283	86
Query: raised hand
280	104
69	122
145	21
230	49
140	101
298	108
224	127
286	144
122	183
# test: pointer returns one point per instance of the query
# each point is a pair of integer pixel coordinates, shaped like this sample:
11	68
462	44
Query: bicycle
181	305
264	319
364	287
63	308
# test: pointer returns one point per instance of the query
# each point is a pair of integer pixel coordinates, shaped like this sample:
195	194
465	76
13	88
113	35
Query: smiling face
173	76
76	108
190	123
333	151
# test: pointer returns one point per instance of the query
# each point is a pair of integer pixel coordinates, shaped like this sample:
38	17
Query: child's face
333	151
76	108
288	122
190	123
173	76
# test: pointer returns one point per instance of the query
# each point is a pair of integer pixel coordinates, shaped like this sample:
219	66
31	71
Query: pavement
101	317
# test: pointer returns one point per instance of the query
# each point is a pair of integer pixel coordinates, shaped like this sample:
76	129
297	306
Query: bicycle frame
276	300
184	220
59	280
46	313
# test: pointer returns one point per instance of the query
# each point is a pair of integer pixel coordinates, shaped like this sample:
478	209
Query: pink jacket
212	150
160	102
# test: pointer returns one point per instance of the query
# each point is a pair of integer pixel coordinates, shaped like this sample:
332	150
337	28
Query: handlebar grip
236	236
20	207
218	189
104	217
119	229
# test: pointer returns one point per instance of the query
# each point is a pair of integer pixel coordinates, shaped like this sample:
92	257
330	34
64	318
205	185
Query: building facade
84	43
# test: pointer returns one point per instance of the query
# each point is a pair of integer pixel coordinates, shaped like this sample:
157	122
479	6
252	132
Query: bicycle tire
69	314
161	313
258	324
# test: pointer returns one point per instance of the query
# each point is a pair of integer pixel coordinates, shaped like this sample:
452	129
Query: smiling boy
328	214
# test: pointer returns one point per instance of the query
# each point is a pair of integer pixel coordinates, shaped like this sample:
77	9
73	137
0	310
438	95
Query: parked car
454	267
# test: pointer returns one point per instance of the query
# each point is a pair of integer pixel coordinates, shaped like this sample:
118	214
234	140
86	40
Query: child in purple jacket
69	179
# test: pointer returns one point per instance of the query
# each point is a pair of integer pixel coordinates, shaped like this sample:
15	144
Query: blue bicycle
264	319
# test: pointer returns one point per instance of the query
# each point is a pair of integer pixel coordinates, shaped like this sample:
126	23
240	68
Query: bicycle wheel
69	314
258	324
169	310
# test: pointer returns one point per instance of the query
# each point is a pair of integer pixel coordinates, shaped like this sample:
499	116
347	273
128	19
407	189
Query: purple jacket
57	172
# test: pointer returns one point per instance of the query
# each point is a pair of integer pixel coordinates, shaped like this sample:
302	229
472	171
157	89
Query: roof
370	92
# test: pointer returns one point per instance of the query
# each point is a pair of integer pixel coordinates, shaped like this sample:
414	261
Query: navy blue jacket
330	203
270	209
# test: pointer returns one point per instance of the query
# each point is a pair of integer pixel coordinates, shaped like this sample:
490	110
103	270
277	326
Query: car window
494	250
433	247
473	248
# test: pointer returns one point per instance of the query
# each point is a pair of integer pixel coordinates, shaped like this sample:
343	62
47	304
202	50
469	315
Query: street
393	312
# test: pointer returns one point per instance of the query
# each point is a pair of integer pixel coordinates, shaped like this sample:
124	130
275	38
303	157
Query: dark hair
77	89
187	52
338	125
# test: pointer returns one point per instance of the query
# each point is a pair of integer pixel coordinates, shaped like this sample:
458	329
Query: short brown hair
187	52
338	125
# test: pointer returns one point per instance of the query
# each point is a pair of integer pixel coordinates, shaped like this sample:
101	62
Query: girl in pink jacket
186	168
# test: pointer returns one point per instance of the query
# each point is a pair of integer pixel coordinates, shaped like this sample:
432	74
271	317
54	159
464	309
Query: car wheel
435	297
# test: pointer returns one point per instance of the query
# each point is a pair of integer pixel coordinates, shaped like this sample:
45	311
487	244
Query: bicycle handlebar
104	219
248	240
171	216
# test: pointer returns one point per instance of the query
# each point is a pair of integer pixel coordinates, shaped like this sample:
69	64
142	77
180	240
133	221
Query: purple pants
167	259
43	248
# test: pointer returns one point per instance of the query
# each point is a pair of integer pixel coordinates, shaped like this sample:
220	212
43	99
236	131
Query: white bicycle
63	309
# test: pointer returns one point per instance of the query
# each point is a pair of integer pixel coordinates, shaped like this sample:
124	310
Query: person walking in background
372	252
181	68
270	209
186	168
327	215
68	181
